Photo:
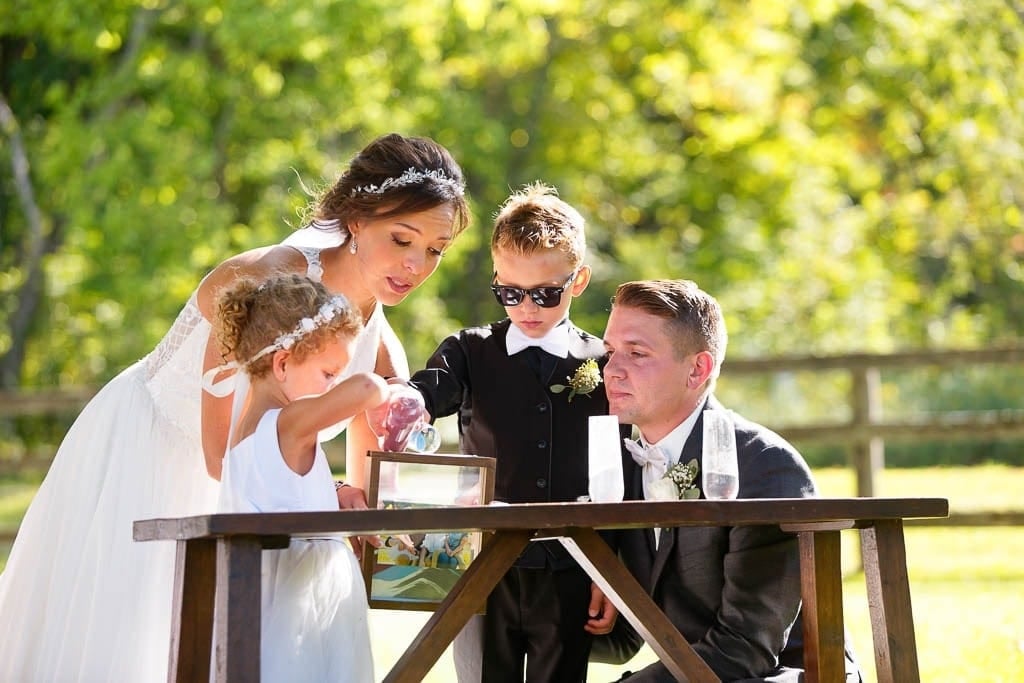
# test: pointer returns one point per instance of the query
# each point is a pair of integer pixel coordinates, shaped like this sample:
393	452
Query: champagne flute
719	470
604	446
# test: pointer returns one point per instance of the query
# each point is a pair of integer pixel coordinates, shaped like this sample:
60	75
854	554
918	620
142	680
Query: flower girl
290	341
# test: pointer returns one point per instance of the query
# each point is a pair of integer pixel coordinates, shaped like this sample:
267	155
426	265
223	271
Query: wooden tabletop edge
540	516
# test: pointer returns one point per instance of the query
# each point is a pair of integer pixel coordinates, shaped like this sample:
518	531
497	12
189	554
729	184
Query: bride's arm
215	413
359	438
215	416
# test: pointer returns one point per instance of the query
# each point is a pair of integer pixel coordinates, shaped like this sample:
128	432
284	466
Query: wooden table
217	572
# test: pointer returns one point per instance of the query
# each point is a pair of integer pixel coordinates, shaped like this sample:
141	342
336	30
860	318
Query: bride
79	600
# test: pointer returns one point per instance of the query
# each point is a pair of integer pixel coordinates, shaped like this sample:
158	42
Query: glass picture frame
416	572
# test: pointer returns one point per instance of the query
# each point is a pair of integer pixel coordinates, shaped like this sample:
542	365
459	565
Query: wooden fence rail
865	433
66	401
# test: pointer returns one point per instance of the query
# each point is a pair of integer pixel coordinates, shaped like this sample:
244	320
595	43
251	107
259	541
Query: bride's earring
352	247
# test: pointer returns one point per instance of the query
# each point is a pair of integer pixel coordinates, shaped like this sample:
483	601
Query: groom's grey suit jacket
733	592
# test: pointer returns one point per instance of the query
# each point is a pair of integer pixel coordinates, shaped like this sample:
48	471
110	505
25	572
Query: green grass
14	498
966	584
15	495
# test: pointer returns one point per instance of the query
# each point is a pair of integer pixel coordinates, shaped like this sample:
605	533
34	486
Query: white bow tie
555	342
655	464
651	458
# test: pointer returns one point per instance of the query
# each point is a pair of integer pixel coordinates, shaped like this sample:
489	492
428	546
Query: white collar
555	342
673	442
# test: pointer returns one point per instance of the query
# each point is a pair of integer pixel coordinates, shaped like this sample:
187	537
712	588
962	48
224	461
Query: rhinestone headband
412	176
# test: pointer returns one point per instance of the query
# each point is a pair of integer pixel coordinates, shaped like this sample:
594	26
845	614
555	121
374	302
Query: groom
733	593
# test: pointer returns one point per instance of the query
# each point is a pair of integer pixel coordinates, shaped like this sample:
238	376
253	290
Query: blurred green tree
842	174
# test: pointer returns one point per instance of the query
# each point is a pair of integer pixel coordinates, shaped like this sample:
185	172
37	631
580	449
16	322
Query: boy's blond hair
534	218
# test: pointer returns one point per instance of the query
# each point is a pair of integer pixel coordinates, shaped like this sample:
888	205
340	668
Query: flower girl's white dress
80	601
314	624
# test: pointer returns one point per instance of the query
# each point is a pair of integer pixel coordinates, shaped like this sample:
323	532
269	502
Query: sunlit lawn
967	584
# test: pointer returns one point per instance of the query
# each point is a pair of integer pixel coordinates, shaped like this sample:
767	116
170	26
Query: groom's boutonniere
678	483
583	381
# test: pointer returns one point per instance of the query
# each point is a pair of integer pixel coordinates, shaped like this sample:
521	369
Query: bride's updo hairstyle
392	176
256	318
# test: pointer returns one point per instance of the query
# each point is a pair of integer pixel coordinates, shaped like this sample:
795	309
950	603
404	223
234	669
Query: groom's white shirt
672	446
672	443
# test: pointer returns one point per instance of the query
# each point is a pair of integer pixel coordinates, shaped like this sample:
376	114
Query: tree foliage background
844	175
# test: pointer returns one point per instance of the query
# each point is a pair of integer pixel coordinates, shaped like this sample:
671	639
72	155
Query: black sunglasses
545	297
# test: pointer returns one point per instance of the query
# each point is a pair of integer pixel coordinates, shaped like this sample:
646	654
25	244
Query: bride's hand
353	498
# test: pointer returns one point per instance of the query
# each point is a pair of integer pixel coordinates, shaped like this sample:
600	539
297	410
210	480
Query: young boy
524	388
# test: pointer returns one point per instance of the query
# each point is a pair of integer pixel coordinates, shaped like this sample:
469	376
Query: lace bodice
174	369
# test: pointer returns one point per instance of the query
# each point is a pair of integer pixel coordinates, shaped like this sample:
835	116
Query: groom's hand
601	611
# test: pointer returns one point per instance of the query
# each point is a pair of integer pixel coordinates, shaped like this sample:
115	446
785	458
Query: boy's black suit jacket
507	412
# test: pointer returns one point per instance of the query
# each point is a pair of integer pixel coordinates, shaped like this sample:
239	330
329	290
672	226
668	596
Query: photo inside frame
417	571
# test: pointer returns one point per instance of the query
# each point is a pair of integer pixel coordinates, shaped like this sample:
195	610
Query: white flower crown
337	304
411	176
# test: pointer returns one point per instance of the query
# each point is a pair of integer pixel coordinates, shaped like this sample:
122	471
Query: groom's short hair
693	313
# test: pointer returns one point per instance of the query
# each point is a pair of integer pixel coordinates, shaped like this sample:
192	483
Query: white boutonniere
677	484
583	381
662	489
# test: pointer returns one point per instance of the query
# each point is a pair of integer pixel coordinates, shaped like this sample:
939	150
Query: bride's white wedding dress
80	601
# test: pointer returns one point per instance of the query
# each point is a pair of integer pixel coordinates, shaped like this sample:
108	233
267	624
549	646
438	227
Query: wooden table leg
462	602
237	619
192	617
892	620
633	602
821	587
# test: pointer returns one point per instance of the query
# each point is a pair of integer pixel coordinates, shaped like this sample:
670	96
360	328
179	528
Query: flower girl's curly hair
291	312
